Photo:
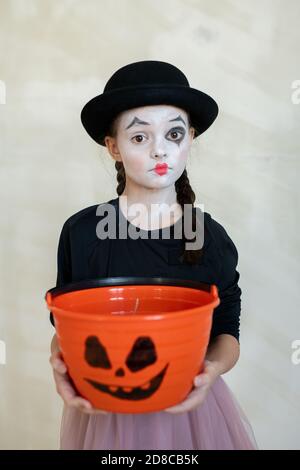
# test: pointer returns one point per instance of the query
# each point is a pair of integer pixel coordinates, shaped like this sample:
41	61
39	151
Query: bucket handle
214	291
48	298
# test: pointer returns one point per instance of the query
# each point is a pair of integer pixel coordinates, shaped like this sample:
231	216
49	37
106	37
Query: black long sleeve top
83	255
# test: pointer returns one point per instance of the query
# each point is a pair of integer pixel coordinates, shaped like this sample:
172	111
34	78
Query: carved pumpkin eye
142	354
95	353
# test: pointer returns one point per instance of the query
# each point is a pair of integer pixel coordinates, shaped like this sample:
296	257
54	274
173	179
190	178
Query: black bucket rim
128	280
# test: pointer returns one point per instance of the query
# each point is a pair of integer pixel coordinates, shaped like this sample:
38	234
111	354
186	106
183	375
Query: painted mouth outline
161	166
137	393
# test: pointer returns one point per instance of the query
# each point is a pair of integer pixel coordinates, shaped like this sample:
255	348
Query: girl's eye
176	133
139	135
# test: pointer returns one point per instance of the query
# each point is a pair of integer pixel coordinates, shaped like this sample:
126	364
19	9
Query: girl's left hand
202	382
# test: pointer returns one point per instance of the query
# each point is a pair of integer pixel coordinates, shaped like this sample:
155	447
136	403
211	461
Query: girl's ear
112	148
192	132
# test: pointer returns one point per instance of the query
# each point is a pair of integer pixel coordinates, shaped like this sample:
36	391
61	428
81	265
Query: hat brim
98	113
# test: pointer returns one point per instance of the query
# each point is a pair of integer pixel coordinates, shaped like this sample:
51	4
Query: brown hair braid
185	195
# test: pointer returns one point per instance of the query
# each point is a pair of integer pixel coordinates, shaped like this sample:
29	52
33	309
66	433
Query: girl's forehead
153	113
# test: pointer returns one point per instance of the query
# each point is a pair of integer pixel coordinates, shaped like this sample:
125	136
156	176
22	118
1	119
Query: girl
147	117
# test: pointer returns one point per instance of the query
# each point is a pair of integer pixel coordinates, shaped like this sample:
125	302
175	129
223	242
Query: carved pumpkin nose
120	372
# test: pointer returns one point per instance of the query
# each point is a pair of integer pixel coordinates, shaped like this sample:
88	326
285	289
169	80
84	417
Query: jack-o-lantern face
142	354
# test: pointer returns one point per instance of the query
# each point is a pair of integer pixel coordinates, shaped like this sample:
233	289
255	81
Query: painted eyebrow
137	121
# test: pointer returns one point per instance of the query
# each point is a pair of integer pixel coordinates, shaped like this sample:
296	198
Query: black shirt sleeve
226	317
64	269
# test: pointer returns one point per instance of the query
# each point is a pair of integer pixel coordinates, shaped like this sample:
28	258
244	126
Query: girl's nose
158	154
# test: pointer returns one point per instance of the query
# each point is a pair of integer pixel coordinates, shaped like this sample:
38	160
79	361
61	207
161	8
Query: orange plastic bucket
133	345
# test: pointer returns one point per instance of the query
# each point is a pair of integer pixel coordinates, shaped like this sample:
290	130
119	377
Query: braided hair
185	195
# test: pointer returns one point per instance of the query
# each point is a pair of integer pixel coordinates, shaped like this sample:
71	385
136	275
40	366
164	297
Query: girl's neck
155	208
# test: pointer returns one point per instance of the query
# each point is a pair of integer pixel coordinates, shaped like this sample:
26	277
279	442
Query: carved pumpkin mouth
132	393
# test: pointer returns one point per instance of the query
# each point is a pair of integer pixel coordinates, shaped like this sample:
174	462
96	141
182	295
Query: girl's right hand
63	382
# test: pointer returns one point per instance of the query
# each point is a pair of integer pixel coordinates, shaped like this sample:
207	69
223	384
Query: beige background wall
57	54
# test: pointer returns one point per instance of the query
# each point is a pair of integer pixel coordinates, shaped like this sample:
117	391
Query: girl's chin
152	180
158	184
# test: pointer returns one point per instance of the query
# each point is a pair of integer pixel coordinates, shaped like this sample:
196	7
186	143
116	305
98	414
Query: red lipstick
161	168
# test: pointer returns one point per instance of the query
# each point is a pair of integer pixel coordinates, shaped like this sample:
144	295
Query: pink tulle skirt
218	423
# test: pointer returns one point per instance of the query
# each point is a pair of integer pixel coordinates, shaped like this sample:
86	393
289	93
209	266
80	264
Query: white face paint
164	140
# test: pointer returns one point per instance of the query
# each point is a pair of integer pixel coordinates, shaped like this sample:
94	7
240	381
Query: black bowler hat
143	83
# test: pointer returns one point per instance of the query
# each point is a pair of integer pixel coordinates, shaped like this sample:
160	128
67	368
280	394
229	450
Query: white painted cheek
181	155
133	158
138	166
